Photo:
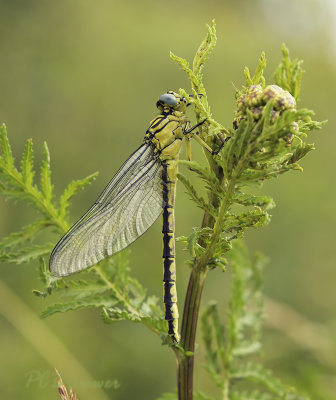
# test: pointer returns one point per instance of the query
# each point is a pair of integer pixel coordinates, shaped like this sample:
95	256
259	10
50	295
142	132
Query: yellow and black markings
142	189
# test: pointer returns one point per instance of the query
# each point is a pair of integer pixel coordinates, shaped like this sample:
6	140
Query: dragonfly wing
128	206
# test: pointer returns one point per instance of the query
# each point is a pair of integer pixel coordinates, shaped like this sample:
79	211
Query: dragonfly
143	188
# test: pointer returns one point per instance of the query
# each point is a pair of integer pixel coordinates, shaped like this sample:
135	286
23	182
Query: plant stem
188	333
194	294
192	303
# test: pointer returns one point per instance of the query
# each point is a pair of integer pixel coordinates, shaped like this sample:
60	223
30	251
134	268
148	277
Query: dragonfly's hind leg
222	139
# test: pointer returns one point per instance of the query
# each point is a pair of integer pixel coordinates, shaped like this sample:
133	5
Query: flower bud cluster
256	98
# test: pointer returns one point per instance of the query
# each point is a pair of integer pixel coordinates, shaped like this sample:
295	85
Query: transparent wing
127	207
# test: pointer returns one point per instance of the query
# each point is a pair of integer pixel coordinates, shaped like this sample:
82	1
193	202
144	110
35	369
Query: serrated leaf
27	164
192	240
27	233
71	190
149	314
288	74
5	150
45	175
248	79
208	176
223	245
219	262
84	289
256	373
96	302
247	199
151	307
233	149
250	175
258	77
181	61
49	281
195	197
204	50
247	350
27	254
115	314
251	219
267	127
300	152
240	144
184	65
213	337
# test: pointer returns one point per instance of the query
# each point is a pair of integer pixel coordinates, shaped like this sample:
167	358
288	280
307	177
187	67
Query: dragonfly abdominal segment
142	189
168	176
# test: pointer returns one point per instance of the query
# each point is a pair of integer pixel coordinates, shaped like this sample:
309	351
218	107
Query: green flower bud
256	98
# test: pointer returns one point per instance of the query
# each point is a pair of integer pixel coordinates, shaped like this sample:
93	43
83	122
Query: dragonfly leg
188	148
223	140
202	142
207	147
194	127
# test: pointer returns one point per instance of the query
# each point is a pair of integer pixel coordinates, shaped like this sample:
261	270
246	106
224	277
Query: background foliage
73	73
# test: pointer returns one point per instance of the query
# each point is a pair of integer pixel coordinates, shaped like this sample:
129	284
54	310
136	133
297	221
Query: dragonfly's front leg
188	134
201	141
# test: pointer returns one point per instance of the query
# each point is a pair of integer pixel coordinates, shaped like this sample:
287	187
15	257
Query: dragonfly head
171	101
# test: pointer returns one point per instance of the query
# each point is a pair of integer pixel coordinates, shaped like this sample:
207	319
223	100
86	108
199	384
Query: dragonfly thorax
166	133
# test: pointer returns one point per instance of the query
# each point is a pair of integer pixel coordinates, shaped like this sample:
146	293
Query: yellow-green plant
267	139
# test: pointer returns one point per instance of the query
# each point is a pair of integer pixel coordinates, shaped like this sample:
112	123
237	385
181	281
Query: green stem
226	389
188	332
190	318
194	294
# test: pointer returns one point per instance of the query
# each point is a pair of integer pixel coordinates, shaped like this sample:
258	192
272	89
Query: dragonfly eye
168	99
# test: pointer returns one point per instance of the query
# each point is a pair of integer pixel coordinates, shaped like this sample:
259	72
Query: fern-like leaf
73	188
27	166
257	374
27	233
97	302
6	157
289	73
45	175
258	74
193	193
247	200
27	254
207	176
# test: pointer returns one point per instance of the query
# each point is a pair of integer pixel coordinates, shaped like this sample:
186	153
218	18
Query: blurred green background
75	73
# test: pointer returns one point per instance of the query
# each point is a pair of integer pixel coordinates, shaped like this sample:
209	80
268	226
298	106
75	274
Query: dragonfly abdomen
168	177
